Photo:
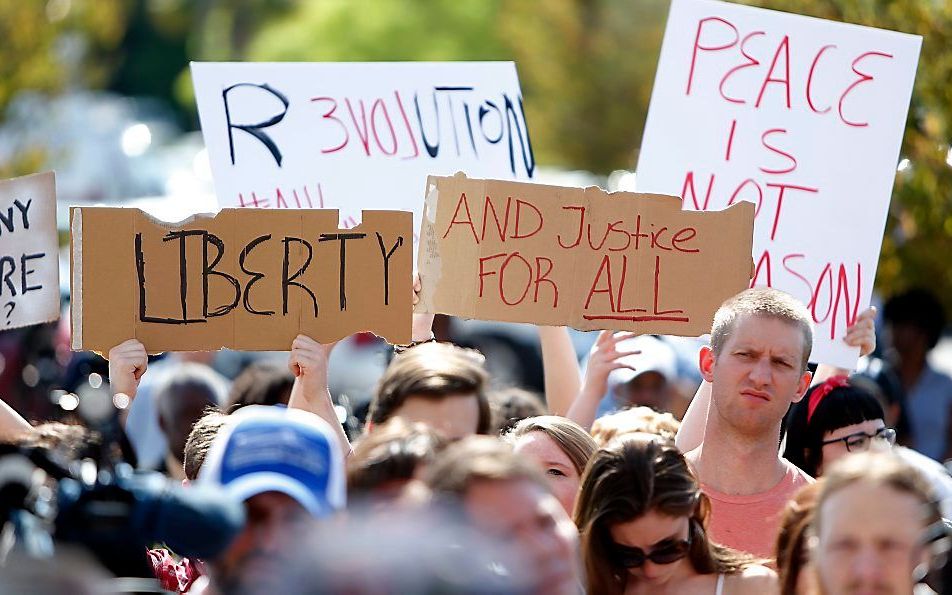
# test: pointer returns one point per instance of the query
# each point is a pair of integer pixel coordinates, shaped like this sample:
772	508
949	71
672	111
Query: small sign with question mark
29	248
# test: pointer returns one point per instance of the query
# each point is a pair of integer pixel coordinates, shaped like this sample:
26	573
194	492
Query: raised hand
128	361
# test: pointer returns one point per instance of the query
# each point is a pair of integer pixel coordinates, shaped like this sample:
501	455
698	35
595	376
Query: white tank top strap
719	589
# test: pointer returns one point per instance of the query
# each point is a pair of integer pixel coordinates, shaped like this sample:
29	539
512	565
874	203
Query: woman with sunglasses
835	418
643	523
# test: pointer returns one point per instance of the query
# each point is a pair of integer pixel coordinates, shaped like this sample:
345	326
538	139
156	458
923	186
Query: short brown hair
395	451
432	370
200	440
570	437
635	419
882	468
762	301
479	458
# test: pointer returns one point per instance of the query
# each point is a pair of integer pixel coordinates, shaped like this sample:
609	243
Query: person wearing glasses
644	527
841	416
834	419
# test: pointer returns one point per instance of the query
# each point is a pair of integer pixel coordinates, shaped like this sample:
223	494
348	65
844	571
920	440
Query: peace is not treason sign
800	116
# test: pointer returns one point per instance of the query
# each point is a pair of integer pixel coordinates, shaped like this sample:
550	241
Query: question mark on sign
10	311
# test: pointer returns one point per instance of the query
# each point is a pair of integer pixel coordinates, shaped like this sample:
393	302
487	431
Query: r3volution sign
354	136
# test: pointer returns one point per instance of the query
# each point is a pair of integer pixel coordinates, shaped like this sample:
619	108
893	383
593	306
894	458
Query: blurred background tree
48	47
586	67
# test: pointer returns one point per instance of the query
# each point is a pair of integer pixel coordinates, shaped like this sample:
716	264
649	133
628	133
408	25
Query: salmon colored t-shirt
750	523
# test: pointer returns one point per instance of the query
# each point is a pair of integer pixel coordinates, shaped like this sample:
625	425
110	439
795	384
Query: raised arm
563	379
862	334
128	361
603	358
691	433
308	363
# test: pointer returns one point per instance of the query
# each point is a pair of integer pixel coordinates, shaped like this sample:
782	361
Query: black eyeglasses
667	552
860	441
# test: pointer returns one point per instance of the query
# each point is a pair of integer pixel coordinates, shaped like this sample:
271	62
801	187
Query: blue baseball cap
274	449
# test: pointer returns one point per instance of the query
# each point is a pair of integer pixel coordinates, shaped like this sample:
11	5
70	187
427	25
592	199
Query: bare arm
422	328
12	423
603	358
691	433
128	361
562	375
308	363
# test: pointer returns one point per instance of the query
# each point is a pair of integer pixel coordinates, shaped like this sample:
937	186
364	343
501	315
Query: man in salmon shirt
756	366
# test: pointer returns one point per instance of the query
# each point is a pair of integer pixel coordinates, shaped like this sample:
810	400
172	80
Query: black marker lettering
209	269
5	275
386	265
255	276
255	129
24	272
342	237
287	281
23	211
140	277
434	149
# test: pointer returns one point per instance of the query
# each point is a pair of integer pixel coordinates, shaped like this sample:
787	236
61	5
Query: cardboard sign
336	135
804	118
250	280
29	251
566	256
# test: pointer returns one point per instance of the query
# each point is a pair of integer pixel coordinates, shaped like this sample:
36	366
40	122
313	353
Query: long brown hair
629	478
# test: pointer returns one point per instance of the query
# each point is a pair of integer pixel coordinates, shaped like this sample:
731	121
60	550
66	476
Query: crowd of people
775	477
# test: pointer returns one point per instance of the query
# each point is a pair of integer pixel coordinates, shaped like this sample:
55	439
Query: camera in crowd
78	486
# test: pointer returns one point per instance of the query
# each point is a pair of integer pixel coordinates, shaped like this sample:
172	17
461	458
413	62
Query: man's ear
804	384
706	362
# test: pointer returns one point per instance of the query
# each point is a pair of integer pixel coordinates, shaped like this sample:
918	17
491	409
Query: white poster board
804	118
29	251
353	136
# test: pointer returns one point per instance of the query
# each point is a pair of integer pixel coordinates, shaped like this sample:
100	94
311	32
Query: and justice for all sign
553	255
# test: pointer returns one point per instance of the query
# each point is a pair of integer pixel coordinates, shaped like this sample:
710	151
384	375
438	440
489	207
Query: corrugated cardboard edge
429	261
76	282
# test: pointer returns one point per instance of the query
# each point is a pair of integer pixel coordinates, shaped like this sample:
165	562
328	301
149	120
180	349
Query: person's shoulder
755	579
796	476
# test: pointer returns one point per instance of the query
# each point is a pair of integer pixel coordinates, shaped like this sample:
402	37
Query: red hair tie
822	390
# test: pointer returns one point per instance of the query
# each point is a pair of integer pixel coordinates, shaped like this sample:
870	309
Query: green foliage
587	70
383	30
48	46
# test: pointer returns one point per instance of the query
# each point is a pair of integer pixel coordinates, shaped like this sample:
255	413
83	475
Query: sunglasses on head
668	551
